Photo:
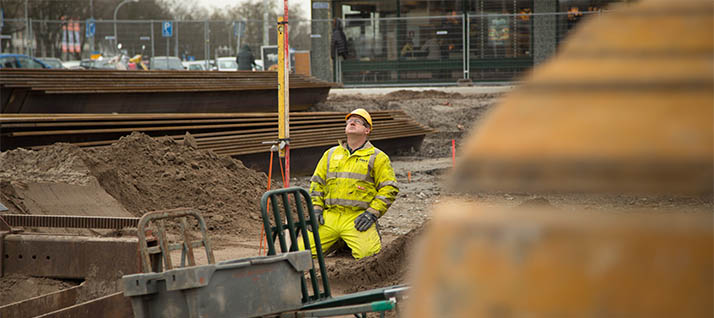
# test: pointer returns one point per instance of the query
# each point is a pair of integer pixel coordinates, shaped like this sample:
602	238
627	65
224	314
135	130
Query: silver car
166	63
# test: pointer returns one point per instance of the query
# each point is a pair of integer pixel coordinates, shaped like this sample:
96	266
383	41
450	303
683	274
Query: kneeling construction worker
353	186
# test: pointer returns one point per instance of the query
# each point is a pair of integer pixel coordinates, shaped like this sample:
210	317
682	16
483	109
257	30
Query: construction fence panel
403	50
380	51
503	46
500	46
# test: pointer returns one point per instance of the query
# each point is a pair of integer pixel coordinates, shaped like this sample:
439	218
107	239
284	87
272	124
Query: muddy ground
140	174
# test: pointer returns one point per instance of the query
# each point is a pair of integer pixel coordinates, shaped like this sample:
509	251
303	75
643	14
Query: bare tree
252	12
48	17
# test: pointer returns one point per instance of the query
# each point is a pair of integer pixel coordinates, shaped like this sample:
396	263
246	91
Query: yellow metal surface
283	88
481	262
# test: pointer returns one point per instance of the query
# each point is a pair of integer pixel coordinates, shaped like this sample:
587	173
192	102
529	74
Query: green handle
382	305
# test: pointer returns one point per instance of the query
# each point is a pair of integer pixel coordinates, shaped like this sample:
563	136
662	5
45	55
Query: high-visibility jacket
363	180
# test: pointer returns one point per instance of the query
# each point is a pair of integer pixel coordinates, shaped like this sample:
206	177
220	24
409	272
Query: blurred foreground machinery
625	108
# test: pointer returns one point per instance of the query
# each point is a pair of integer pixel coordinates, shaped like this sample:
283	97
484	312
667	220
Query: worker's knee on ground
365	249
364	244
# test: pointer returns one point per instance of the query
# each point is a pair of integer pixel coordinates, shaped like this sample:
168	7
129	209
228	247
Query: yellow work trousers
340	223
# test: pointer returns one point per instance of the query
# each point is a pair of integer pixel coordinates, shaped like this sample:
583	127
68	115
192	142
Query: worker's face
356	126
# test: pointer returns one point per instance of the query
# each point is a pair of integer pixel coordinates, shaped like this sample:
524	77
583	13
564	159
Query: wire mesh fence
380	51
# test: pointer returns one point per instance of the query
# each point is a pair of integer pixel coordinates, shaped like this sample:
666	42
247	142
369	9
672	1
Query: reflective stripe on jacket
363	180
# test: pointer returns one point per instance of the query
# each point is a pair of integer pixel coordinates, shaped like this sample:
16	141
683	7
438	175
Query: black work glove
364	221
317	215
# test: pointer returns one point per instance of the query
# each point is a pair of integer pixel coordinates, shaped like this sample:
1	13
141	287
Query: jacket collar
366	147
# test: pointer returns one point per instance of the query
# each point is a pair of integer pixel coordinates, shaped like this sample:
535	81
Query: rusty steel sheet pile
625	108
103	91
243	135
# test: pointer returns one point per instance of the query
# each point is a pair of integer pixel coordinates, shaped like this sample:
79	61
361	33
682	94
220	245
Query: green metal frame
284	221
316	304
423	65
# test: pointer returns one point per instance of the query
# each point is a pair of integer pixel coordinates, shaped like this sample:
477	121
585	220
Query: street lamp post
115	19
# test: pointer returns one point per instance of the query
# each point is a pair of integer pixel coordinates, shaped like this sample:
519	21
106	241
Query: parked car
195	65
165	63
211	64
72	65
226	64
20	61
52	62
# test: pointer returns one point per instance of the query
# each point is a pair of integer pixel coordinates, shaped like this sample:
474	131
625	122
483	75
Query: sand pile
59	163
146	174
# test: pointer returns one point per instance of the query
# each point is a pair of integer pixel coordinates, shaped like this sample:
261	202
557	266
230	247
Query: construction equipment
258	286
625	108
57	256
319	302
234	288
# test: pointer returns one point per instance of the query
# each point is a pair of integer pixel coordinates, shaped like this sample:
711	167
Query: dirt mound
387	268
59	163
146	174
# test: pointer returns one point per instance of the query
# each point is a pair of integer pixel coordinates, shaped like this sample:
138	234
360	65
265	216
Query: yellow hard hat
362	113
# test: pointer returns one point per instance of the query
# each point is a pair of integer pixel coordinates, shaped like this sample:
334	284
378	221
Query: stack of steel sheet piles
107	91
246	136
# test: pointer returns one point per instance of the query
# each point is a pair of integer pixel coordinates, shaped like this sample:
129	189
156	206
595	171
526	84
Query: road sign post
167	31
90	29
2	24
238	31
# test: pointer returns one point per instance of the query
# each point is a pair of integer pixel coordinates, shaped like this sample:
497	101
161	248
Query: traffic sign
239	28
167	29
90	28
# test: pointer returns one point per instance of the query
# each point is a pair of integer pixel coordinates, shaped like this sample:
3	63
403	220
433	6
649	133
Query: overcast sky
213	4
217	3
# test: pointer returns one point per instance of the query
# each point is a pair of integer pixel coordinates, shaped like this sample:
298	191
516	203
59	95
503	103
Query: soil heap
145	174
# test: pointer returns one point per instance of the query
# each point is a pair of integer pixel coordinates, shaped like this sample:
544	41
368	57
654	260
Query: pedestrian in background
245	59
339	48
